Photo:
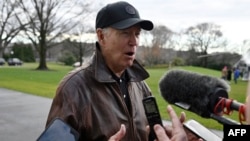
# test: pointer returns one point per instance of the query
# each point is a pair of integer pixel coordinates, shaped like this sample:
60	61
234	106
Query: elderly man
103	98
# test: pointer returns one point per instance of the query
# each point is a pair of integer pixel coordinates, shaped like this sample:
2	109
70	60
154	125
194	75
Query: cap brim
145	24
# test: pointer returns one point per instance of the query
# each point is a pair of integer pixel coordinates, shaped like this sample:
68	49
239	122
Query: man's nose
134	39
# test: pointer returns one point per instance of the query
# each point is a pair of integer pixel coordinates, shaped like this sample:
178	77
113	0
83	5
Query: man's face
119	47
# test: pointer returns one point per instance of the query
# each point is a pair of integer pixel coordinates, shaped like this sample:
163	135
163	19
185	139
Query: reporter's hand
174	133
119	135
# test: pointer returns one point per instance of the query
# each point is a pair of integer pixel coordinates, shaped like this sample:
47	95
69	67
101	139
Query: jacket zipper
130	117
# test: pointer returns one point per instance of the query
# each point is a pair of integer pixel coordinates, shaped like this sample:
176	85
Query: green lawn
44	83
26	79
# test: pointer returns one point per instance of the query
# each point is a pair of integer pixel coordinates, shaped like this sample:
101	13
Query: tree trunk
42	55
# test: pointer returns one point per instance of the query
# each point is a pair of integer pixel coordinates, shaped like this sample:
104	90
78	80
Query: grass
44	83
29	80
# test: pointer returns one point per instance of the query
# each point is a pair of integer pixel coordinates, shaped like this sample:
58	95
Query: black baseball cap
121	15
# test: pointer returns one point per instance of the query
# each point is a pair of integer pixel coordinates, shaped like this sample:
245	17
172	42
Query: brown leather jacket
90	101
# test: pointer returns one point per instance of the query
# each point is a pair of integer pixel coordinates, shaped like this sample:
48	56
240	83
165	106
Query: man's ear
100	35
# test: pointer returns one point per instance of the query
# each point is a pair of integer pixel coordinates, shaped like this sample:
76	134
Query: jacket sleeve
64	104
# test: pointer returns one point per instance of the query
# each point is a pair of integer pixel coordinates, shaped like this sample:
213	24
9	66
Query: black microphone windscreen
191	88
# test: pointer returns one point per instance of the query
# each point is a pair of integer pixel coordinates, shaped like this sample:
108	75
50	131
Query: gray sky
232	15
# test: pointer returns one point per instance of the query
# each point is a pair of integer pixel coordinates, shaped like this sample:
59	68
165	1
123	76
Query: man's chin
129	64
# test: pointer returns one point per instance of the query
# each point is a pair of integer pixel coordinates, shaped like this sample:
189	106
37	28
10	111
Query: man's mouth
130	53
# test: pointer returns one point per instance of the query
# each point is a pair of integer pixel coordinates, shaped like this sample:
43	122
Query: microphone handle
231	104
224	120
235	105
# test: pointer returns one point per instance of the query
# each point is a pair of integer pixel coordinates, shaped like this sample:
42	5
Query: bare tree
9	27
81	47
161	38
49	20
205	36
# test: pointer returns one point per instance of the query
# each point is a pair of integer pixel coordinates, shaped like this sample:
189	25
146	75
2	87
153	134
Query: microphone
204	95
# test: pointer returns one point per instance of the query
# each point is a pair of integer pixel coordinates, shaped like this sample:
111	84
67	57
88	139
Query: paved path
22	116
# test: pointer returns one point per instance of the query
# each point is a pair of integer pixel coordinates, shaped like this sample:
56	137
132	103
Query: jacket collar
136	72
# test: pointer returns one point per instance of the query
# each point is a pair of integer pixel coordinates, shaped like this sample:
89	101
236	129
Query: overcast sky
232	15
